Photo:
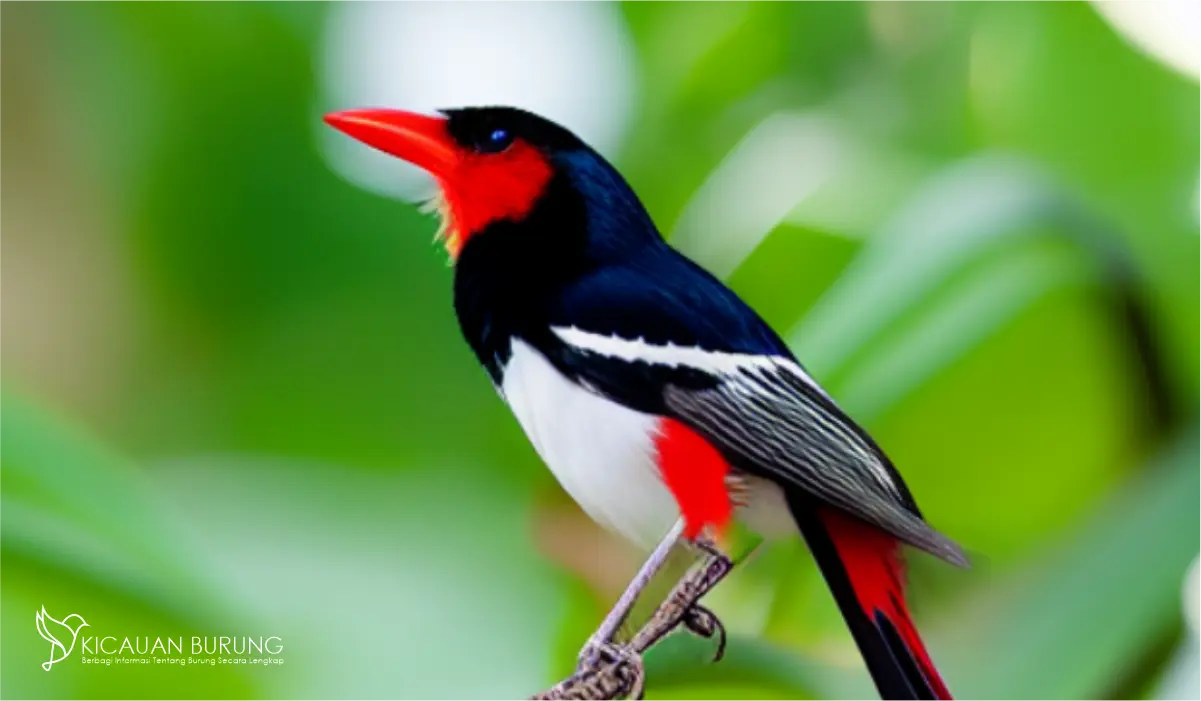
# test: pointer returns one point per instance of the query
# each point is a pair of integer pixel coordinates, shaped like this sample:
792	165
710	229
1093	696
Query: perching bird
647	386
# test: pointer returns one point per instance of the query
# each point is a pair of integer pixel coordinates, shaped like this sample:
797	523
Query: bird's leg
600	648
681	605
607	676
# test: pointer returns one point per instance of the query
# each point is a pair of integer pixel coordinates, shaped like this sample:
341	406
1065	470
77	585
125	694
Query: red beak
417	138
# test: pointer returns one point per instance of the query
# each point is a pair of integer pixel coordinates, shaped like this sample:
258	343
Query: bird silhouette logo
60	634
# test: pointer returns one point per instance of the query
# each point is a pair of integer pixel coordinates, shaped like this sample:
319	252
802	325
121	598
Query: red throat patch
695	473
489	187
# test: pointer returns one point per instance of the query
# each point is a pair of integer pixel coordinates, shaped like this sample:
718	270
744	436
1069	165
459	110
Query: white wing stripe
671	355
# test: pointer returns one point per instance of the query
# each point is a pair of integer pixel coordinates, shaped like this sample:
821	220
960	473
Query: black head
493	129
503	169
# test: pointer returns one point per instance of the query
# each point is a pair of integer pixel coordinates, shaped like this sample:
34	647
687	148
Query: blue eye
496	141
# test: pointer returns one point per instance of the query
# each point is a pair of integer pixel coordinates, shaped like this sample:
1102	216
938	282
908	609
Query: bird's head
75	622
497	165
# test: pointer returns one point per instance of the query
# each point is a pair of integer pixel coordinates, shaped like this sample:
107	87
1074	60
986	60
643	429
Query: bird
651	390
47	627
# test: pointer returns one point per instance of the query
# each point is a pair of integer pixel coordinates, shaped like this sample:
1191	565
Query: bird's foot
592	653
605	671
704	623
681	607
625	662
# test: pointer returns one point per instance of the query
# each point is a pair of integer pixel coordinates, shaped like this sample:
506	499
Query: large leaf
1095	601
965	212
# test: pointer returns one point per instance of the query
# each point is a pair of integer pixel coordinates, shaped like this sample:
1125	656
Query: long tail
863	568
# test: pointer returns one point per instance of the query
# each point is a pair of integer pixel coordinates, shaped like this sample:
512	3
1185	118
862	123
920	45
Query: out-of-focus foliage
236	398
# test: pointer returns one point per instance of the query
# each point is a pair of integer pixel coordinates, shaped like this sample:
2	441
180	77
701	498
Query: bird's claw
633	676
704	623
592	651
605	670
599	655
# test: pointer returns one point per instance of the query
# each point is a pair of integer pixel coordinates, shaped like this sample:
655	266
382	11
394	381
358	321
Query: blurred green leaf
73	505
410	584
961	214
682	668
985	303
1095	600
764	275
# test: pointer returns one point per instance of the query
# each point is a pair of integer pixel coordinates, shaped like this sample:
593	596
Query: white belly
602	453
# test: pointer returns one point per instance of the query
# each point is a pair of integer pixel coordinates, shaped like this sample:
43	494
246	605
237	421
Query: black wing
670	339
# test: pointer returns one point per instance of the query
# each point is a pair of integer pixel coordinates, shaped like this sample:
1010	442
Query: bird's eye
496	141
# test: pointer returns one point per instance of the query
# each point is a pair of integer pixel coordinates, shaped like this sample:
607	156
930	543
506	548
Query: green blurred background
236	400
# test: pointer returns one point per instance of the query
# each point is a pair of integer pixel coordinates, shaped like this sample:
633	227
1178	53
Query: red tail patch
873	563
695	473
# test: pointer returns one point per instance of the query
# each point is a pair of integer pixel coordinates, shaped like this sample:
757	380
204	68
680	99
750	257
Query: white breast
601	452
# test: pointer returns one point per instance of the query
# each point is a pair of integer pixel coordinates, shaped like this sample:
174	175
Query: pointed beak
419	139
